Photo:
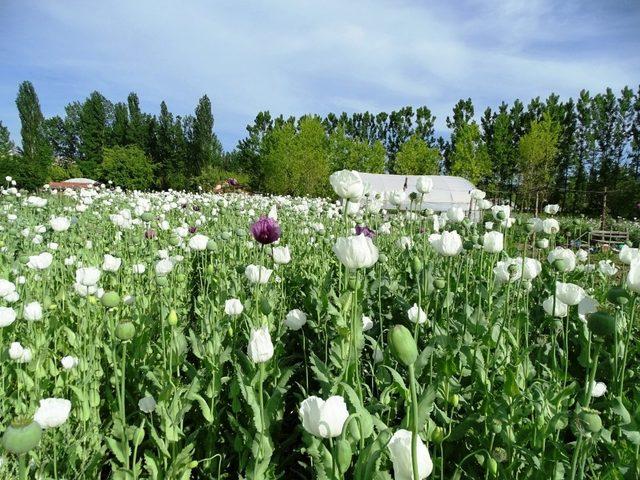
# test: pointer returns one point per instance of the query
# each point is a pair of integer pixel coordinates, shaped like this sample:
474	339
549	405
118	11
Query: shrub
213	176
127	167
57	173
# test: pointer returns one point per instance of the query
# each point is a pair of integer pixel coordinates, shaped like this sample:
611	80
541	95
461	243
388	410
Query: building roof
448	191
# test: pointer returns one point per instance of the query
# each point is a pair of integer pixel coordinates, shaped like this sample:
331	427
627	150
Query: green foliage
93	134
127	167
538	150
37	153
417	158
470	158
58	173
353	154
296	163
213	176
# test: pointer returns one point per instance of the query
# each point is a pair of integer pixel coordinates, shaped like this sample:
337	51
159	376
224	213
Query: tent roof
447	192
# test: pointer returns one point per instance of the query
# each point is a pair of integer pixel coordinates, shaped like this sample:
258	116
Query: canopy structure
447	191
76	183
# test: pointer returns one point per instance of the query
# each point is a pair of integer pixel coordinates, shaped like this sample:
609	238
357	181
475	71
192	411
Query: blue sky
300	56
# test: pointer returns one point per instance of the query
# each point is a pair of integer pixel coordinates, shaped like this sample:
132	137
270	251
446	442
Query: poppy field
175	335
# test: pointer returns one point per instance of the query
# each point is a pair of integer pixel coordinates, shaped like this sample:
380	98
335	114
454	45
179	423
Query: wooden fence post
603	217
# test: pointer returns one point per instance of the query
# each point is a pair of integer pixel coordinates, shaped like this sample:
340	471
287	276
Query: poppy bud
175	241
492	466
618	296
602	324
439	283
416	264
343	454
21	436
172	318
162	281
265	306
437	435
147	216
403	346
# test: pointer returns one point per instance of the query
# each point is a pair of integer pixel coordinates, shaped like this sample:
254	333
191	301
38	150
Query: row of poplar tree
565	151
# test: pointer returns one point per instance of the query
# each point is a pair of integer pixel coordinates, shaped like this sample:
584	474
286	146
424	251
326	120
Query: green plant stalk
22	466
123	408
414	423
626	345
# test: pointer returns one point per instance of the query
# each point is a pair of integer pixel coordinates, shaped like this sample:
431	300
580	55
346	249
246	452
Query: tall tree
6	145
205	147
36	151
538	150
136	127
93	133
470	158
119	132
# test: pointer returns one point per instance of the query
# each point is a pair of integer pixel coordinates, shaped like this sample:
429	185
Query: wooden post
603	217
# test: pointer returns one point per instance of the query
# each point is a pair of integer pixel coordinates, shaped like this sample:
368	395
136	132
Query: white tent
447	191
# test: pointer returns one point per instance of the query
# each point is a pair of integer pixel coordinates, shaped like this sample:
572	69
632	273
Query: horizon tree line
559	149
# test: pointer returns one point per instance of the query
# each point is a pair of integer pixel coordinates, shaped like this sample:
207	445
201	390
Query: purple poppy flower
233	182
366	231
193	230
266	230
151	233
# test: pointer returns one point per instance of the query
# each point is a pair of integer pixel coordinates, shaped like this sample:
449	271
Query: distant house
75	183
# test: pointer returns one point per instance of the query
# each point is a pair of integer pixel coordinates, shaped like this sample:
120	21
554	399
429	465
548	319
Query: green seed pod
265	306
212	246
230	331
343	454
110	299
439	283
403	346
589	420
172	318
23	259
226	235
21	436
240	232
174	240
500	215
560	265
125	330
162	281
530	227
181	277
210	269
468	245
193	464
147	216
382	258
618	296
601	324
